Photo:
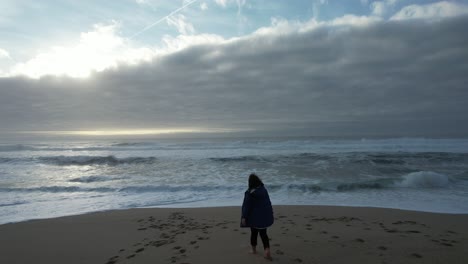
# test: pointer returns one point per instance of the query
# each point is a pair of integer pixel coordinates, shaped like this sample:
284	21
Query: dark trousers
263	235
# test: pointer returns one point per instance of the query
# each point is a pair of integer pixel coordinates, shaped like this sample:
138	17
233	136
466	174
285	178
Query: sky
395	68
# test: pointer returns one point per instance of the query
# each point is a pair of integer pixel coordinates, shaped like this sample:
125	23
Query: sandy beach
301	234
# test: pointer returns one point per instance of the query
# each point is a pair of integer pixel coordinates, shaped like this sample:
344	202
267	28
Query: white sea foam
425	179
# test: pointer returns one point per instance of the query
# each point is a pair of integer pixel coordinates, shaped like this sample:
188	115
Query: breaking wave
332	187
424	179
420	180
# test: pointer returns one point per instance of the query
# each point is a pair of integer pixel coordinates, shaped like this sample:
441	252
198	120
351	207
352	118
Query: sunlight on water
137	132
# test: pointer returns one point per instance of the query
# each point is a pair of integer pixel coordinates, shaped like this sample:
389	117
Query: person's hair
254	181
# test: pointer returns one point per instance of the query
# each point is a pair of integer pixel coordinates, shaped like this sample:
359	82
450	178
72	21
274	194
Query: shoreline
229	206
300	234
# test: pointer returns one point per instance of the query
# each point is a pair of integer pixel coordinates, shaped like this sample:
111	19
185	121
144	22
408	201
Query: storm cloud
363	76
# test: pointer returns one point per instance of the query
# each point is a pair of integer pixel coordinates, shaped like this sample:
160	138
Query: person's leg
266	243
253	239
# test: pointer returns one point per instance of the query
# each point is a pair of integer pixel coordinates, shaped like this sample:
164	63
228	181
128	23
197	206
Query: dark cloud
397	78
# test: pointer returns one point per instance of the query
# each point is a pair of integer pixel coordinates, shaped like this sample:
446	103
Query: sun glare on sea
129	132
126	132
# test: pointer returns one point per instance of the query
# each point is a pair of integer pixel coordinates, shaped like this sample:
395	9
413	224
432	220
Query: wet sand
301	234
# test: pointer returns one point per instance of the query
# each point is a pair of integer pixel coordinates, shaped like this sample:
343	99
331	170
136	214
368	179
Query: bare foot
268	254
253	251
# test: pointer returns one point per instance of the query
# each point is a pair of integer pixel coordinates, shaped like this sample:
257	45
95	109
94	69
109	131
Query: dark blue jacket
257	209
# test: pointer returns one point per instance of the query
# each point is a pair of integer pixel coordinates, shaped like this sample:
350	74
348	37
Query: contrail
4	53
162	19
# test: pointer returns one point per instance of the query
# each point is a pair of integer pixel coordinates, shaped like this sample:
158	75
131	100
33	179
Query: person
257	213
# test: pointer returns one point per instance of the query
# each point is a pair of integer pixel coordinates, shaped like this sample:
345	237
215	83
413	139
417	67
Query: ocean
50	179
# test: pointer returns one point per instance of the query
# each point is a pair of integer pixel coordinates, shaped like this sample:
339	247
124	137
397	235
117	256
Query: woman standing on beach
257	213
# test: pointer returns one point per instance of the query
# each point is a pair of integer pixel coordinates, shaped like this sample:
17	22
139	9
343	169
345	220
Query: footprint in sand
416	255
360	240
382	248
160	243
112	260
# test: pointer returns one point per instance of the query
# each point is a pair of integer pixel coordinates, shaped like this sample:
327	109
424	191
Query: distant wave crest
376	158
94	160
89	179
333	187
128	189
15	147
57	189
422	179
238	159
13	203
